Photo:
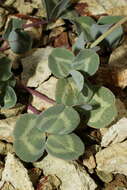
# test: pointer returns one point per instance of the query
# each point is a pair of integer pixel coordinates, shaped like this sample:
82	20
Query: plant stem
105	34
33	109
38	94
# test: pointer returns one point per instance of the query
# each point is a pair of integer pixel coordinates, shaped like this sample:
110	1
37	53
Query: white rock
35	67
47	88
15	173
71	174
116	133
6	128
113	159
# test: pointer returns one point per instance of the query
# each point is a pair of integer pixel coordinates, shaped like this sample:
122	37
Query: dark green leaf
20	41
5	69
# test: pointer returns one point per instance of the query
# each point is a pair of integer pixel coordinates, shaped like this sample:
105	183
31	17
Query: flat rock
113	159
6	128
116	133
71	174
35	67
47	88
15	173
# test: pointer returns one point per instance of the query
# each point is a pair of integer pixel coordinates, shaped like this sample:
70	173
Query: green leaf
104	109
60	7
5	69
78	79
85	23
87	60
29	142
67	147
49	6
9	98
67	92
79	44
58	119
103	25
20	41
60	62
12	25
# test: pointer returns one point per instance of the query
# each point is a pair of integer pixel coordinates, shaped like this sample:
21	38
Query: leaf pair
7	95
49	131
54	8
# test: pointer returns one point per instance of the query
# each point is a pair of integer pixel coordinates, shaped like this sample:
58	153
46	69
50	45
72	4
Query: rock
5	148
47	88
6	128
50	182
8	186
35	67
71	174
18	109
15	173
89	159
105	177
116	133
113	159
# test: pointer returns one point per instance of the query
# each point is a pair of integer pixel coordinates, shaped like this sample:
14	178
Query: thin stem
33	109
105	34
38	94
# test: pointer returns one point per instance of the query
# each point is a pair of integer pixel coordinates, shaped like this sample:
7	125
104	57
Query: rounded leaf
67	147
58	119
9	98
29	141
87	60
67	92
103	108
60	62
20	41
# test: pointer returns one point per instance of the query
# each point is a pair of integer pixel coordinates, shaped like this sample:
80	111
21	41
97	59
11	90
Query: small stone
15	173
71	174
113	159
116	133
105	177
35	67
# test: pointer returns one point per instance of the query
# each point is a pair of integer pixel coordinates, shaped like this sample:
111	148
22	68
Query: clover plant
53	130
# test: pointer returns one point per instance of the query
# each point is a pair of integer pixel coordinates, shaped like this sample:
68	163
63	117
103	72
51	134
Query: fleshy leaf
78	79
67	92
29	142
58	119
67	147
87	60
5	69
103	108
20	41
9	97
60	62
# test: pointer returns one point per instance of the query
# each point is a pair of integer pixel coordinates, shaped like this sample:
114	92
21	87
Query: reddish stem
33	109
38	94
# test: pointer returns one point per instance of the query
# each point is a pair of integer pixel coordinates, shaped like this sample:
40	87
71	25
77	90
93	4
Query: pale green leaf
58	119
60	62
67	147
29	142
5	69
78	79
9	98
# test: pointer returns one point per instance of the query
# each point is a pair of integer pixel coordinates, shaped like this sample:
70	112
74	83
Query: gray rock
35	67
71	174
116	133
105	177
113	159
